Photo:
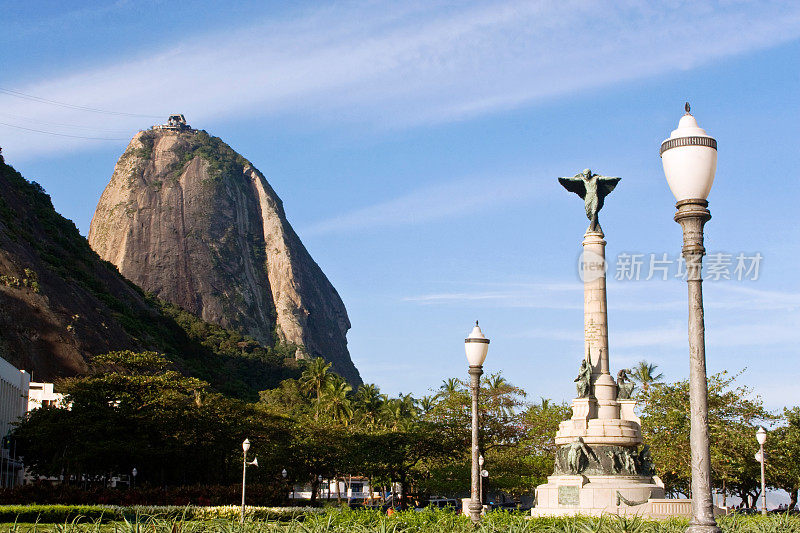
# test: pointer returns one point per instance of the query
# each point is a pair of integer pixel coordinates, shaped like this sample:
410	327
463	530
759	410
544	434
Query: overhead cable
64	125
63	134
31	97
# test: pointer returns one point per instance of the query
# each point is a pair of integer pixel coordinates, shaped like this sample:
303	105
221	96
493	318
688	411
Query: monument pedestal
595	495
599	466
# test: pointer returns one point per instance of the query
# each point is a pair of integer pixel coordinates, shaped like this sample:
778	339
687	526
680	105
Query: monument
600	465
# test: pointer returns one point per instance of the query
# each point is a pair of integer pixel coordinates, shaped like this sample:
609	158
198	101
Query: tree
337	404
368	402
314	378
501	432
782	450
400	455
450	387
645	374
734	413
426	403
133	410
541	422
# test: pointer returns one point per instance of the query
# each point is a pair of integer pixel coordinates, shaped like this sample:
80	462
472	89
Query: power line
63	134
31	97
79	126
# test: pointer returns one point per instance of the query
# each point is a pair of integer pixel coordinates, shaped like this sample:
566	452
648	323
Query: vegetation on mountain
49	273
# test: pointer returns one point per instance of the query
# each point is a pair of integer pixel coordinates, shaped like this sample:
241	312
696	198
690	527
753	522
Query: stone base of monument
566	495
603	495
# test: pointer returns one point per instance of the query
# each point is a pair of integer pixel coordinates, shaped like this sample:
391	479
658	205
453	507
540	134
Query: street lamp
285	474
319	478
761	437
254	462
476	346
134	472
484	475
689	157
480	488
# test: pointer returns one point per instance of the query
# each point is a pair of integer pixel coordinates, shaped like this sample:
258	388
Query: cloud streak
385	65
434	202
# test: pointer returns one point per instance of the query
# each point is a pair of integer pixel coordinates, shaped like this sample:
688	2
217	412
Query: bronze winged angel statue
593	188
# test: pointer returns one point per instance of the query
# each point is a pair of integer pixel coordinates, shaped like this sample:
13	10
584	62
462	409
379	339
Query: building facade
14	386
43	395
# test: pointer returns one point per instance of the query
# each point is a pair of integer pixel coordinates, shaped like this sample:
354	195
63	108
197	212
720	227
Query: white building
14	385
42	395
350	488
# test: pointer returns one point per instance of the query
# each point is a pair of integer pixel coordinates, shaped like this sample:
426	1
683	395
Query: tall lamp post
476	347
761	437
254	462
480	488
134	472
689	157
284	475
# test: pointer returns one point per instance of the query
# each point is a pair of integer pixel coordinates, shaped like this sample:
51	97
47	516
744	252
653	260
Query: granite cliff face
190	220
60	305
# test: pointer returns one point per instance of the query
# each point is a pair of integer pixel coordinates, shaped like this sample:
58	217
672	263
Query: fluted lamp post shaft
689	157
476	347
761	437
245	447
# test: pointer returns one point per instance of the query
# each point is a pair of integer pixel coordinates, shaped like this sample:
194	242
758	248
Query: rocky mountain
187	218
60	304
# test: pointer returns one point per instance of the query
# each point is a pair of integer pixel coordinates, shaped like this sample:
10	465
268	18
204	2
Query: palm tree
426	403
495	382
314	378
408	406
449	387
391	413
496	385
336	401
644	373
544	403
368	397
398	411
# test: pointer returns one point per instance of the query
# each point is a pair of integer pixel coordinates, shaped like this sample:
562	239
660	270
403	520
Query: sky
416	147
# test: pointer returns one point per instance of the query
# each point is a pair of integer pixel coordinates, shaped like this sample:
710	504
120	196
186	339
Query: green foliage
645	375
54	514
335	520
222	159
782	450
29	280
132	410
502	437
734	414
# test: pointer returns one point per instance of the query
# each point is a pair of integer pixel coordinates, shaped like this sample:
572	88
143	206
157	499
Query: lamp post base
475	510
697	528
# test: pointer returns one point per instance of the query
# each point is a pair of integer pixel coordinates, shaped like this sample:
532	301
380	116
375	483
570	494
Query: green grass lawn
430	521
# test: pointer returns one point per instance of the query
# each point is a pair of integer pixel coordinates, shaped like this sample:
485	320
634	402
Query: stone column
595	323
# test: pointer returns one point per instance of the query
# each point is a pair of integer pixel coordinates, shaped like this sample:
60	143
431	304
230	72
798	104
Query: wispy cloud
631	296
432	203
674	334
394	65
556	295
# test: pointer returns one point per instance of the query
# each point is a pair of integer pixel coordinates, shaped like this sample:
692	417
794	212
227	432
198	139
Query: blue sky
416	147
